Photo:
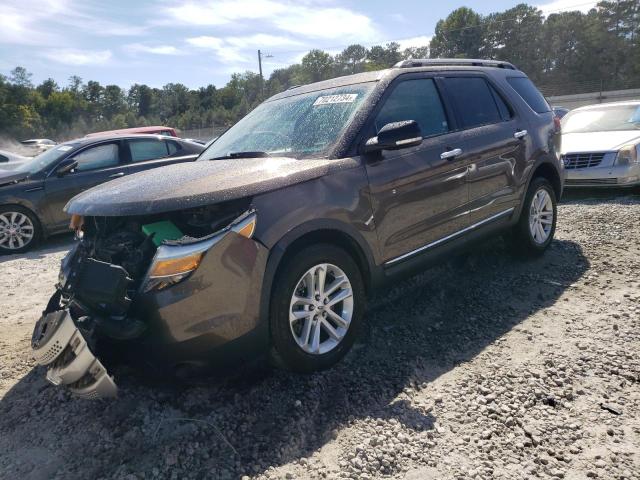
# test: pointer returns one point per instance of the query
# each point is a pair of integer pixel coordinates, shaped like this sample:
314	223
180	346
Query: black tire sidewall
37	231
525	238
286	351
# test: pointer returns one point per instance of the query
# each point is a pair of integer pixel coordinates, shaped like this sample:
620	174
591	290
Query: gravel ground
485	367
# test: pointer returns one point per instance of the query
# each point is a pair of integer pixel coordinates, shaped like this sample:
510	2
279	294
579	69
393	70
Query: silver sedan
601	145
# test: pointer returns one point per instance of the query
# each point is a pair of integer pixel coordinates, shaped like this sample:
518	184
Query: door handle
451	153
520	134
117	175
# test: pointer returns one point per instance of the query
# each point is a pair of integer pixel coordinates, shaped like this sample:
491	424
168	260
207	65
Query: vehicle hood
9	177
189	185
598	141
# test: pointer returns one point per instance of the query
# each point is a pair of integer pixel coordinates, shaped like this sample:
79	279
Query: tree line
566	52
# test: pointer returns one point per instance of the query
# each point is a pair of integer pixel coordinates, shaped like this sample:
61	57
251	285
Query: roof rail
459	62
293	86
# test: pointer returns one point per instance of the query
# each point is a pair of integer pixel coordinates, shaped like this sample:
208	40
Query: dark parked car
273	239
33	194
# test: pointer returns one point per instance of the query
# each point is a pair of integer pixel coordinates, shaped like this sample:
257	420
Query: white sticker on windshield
64	148
344	98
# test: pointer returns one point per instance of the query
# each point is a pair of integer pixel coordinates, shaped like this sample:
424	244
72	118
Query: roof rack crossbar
440	62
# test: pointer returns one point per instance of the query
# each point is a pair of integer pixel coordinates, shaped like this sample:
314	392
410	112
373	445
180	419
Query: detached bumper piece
58	343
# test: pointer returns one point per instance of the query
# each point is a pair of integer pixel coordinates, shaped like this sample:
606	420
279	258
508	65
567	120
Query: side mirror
394	136
66	166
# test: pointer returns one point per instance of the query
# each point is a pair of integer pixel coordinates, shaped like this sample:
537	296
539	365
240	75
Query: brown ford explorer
273	239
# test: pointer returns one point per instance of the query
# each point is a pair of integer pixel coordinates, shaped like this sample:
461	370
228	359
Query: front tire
19	230
537	223
316	308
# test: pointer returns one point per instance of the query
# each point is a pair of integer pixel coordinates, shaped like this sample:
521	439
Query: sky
201	42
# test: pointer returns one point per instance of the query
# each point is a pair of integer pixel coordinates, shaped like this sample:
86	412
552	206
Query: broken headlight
173	263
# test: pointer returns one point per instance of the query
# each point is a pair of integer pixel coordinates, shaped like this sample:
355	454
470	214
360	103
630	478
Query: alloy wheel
16	230
321	309
541	216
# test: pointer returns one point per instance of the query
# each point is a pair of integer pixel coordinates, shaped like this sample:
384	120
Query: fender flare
278	251
531	175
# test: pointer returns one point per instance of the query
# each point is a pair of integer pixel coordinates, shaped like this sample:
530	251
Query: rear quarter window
143	150
529	93
173	147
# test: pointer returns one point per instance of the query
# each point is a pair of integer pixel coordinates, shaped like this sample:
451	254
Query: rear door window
474	101
529	93
100	156
417	100
147	149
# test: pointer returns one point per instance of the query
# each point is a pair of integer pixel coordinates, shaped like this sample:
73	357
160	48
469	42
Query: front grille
582	160
592	181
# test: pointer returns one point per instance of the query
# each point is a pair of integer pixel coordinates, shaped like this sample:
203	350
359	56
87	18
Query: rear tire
19	229
536	226
316	308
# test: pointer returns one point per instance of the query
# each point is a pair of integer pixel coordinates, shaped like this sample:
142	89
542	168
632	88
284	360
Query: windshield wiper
242	155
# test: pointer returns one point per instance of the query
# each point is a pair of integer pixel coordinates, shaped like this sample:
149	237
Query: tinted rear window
529	93
142	150
474	101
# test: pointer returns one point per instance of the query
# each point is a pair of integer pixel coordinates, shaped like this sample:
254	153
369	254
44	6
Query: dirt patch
485	367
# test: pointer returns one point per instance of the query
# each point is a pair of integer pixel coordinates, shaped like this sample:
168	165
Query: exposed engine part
104	287
57	342
132	250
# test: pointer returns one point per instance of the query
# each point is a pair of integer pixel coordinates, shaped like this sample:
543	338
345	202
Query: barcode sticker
344	98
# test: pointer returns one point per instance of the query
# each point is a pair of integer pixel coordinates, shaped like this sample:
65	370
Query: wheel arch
331	232
550	172
545	169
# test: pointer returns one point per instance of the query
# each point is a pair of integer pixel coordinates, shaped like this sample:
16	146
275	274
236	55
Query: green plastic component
162	231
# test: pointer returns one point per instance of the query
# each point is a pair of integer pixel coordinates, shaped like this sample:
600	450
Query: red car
158	130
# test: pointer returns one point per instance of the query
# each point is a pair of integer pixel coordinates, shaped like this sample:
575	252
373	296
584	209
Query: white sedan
601	145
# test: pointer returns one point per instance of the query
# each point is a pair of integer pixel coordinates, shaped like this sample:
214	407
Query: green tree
515	35
351	59
47	87
20	77
317	65
458	35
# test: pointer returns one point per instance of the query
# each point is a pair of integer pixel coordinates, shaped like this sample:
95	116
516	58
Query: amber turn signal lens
248	229
176	266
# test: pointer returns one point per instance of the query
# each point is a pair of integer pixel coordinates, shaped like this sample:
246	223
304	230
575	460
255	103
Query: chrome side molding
449	237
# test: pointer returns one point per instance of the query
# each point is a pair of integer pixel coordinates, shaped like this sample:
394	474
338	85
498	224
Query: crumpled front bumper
59	344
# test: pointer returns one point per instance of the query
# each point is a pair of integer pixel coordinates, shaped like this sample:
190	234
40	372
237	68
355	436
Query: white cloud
329	23
155	49
205	41
222	12
262	40
18	21
234	49
421	41
224	52
311	19
69	56
558	6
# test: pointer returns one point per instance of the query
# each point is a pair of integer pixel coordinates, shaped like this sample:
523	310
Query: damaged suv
272	240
